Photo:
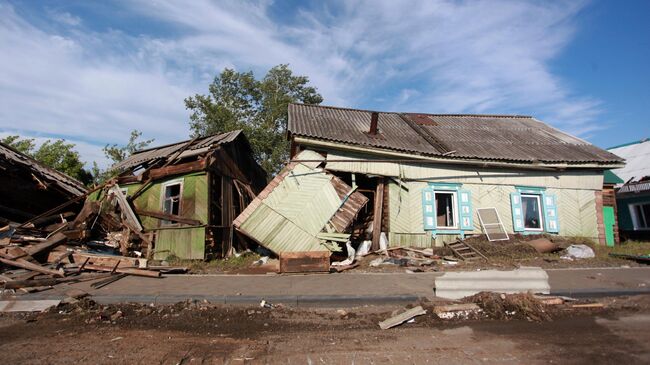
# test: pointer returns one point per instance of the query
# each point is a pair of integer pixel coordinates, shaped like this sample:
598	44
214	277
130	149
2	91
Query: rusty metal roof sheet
48	175
200	145
513	138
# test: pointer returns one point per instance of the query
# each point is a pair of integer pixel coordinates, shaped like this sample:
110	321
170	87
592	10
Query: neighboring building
29	188
633	195
187	194
426	175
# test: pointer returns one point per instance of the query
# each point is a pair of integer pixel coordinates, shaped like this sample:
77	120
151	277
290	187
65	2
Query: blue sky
91	71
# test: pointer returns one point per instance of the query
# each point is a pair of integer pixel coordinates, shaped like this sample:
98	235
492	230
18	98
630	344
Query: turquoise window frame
465	220
551	222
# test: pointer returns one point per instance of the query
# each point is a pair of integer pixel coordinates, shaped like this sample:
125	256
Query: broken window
640	216
172	199
532	211
445	209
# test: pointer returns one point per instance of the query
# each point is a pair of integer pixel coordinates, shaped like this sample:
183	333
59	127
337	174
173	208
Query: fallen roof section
637	154
11	158
298	205
186	148
511	138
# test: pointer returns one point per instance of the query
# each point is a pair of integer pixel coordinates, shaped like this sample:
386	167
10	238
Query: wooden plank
168	217
318	261
109	260
183	168
130	271
27	305
378	210
401	318
24	264
51	242
16	284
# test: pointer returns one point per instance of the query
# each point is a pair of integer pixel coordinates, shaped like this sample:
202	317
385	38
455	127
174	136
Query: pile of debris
104	240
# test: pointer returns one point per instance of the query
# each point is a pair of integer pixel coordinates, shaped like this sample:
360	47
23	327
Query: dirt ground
200	333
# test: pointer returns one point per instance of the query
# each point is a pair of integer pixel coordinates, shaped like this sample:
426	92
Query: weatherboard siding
490	188
186	243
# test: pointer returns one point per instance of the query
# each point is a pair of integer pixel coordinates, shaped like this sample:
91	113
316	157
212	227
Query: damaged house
425	180
633	189
183	197
29	188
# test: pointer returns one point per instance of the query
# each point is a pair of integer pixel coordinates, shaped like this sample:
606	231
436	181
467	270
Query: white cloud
64	17
431	56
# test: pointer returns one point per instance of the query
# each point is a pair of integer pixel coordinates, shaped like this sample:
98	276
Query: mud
199	332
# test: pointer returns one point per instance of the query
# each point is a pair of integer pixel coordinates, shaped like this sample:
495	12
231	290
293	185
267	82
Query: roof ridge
236	131
513	116
642	140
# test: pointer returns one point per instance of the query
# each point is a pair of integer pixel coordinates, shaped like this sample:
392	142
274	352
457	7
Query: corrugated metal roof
636	156
484	137
201	144
51	176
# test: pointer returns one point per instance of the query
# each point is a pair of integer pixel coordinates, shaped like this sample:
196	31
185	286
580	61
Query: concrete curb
599	292
288	300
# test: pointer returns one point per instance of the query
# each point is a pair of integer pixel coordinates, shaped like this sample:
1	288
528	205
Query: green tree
25	145
57	154
236	100
118	153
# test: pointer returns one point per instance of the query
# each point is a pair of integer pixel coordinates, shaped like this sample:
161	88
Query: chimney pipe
374	117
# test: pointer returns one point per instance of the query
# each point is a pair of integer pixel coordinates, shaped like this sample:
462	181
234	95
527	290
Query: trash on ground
578	252
457	311
401	318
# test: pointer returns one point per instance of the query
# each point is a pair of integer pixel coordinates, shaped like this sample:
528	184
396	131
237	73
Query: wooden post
377	214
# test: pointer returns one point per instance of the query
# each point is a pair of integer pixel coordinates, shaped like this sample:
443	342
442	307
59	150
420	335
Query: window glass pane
638	214
445	210
646	215
532	212
172	190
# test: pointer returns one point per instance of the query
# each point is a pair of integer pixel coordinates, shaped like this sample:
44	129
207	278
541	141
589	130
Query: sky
92	71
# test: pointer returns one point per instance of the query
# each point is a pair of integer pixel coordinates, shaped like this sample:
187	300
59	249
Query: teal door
609	220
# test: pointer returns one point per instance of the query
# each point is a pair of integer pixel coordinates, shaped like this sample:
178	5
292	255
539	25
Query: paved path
359	288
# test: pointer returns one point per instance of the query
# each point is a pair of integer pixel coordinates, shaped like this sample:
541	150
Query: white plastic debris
376	262
383	241
578	252
364	248
351	251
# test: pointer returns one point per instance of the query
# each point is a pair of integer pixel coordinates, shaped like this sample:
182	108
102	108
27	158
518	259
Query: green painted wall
186	243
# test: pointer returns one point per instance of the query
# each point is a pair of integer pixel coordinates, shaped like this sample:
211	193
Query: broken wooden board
401	318
317	261
463	310
27	305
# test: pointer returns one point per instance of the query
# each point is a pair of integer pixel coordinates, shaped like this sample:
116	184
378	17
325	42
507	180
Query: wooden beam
49	243
183	168
168	217
378	211
24	264
122	270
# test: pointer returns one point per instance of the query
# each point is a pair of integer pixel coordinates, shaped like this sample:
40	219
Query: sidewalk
335	289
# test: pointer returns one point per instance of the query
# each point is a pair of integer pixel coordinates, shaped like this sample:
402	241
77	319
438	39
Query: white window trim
635	219
162	196
539	211
454	206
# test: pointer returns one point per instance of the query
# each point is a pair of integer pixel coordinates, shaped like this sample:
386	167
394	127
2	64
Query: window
640	216
446	210
172	199
532	211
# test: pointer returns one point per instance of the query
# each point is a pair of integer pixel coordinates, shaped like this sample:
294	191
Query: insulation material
302	201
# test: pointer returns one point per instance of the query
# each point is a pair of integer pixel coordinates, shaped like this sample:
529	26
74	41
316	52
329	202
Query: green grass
625	248
217	265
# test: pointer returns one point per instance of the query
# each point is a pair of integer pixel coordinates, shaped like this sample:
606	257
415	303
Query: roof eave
310	141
